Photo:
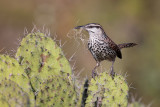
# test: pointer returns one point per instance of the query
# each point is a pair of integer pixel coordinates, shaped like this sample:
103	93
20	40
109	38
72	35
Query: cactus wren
101	46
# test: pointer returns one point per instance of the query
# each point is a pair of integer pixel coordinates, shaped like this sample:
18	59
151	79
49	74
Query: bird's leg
112	73
93	71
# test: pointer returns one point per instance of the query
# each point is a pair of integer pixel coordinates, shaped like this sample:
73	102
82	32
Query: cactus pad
58	91
10	69
13	94
107	92
41	57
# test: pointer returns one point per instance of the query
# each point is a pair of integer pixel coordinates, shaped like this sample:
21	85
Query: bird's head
92	28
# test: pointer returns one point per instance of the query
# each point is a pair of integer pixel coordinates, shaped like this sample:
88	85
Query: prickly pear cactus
10	69
42	69
107	92
41	57
58	91
13	95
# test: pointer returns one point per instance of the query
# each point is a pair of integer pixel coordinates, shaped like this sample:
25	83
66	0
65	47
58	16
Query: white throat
95	35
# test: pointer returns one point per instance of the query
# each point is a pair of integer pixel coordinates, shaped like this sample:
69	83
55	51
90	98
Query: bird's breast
101	50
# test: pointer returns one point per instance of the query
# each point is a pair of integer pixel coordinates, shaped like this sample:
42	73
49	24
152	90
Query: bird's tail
126	45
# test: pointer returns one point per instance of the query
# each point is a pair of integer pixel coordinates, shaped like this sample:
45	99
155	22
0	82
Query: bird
102	47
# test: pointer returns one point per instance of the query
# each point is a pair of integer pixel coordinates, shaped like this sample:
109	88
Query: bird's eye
94	27
97	26
90	26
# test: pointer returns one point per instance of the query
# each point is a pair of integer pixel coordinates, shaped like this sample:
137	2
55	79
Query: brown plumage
101	46
126	45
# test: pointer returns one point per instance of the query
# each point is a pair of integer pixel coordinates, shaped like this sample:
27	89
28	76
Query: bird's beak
79	27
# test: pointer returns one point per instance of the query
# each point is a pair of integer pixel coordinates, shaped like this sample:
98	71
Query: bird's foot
93	73
112	73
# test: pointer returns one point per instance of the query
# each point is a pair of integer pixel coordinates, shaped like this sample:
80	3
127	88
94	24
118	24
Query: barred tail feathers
126	45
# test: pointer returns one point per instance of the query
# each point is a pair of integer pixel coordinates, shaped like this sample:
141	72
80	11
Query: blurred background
123	20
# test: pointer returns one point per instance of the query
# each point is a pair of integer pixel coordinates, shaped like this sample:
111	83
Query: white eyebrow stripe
94	25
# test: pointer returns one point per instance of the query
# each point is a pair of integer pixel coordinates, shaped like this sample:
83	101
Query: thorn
1	49
12	50
49	33
25	31
55	37
43	28
126	75
70	59
64	44
73	67
80	72
131	86
34	27
60	43
19	39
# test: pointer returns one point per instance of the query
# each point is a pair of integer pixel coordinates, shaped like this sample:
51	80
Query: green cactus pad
41	57
10	69
13	94
58	91
107	92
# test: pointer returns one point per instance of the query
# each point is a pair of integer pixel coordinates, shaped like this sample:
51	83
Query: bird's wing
113	46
